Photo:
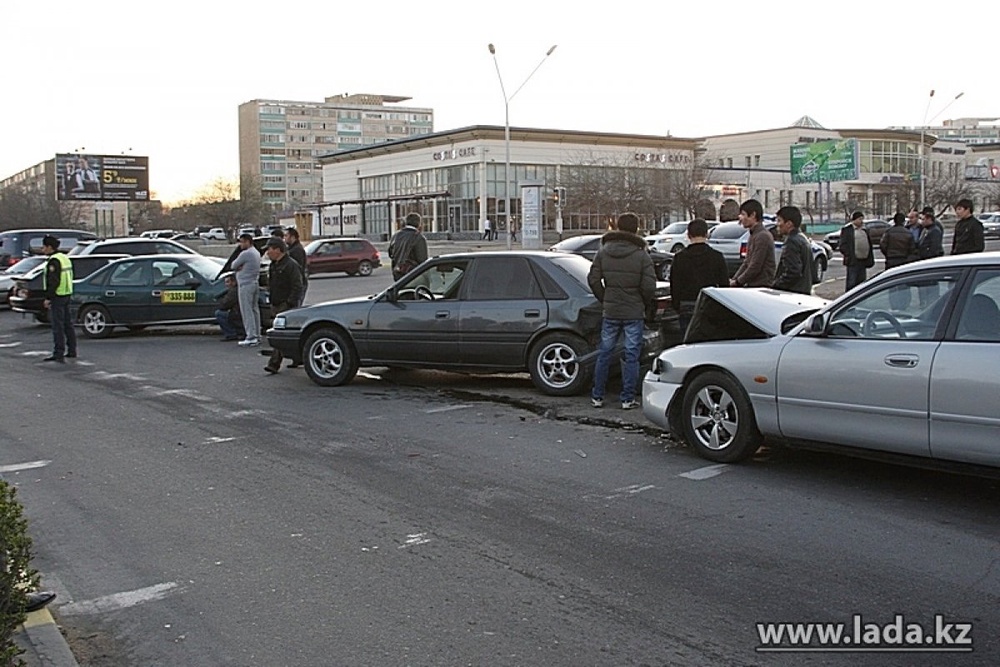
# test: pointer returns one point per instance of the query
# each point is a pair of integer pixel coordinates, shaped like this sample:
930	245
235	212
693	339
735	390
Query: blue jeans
611	330
63	331
228	329
856	274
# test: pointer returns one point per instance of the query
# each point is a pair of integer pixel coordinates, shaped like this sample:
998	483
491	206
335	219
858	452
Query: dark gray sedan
472	312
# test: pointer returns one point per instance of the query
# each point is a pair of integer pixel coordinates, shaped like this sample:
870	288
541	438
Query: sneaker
628	405
249	342
597	402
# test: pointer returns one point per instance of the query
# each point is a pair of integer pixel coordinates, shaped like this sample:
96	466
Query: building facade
280	141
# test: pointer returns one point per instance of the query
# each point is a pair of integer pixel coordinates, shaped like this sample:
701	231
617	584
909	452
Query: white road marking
118	601
15	467
447	408
104	375
10	344
630	490
707	472
415	539
215	439
35	353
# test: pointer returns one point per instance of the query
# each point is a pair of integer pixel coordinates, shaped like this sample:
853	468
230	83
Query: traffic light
555	196
559	196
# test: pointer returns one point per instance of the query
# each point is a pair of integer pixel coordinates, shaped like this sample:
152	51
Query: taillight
743	249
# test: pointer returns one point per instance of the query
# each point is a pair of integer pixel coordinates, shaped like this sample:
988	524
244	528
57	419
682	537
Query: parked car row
587	245
732	240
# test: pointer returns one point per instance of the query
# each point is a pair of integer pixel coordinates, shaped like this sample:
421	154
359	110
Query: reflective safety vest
65	287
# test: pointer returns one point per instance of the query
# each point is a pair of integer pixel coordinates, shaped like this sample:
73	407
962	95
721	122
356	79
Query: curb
43	644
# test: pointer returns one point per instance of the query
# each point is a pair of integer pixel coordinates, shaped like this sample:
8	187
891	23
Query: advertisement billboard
102	177
834	160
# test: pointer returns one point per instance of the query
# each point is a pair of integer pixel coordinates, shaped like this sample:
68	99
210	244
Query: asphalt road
191	510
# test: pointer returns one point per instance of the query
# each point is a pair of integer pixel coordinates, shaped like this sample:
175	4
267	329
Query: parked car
876	228
159	234
136	292
16	244
732	240
587	245
353	256
672	238
28	292
991	224
214	234
131	246
482	312
908	363
18	270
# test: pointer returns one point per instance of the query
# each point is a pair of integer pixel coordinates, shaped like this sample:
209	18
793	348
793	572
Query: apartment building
281	141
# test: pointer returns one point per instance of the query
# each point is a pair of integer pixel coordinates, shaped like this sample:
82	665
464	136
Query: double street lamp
923	129
506	132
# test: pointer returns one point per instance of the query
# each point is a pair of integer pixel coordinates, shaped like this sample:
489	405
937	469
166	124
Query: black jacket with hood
622	276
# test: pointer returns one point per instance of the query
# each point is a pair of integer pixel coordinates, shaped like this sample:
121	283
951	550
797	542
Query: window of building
756	160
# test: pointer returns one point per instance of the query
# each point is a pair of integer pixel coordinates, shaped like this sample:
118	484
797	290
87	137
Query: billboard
102	177
834	160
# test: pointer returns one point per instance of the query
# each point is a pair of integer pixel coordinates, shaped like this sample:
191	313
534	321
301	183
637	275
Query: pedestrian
57	282
408	247
897	243
856	247
913	224
757	269
513	231
247	268
794	272
623	280
298	253
227	313
284	282
487	230
697	266
931	235
968	230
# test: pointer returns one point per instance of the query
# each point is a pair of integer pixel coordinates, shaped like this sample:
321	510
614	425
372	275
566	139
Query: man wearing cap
856	247
57	282
247	269
408	247
284	281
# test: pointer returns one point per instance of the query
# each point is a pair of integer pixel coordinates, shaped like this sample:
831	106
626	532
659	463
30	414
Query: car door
862	384
327	257
417	322
127	292
965	378
174	294
502	309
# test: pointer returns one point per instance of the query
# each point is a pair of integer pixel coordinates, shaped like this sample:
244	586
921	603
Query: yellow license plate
178	296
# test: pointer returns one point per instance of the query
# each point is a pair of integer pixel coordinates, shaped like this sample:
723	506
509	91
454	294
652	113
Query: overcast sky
164	79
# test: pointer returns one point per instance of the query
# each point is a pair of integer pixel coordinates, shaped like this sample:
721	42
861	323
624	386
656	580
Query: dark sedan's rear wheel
96	321
365	267
555	367
819	270
329	358
718	419
664	271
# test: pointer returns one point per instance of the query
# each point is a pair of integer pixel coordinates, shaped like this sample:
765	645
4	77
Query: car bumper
656	399
285	341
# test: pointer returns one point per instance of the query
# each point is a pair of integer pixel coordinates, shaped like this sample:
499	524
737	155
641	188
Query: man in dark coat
897	244
696	266
408	247
284	283
794	272
298	253
623	280
856	247
227	313
931	235
968	230
758	267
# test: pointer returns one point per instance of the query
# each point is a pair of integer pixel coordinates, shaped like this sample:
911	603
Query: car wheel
664	271
718	420
365	268
95	321
819	270
329	358
555	367
677	248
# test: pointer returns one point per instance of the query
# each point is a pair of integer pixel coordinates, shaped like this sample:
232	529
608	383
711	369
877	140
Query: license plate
178	296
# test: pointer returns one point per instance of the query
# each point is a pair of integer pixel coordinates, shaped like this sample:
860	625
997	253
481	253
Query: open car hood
730	313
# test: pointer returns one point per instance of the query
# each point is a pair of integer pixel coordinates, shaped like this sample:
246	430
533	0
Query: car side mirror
816	325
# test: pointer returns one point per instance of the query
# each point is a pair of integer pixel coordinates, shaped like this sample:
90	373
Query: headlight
279	322
659	366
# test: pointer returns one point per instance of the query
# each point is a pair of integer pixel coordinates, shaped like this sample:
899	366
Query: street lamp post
506	133
923	129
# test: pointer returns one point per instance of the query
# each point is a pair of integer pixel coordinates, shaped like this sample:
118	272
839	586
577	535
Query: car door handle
532	313
442	314
902	360
156	292
109	292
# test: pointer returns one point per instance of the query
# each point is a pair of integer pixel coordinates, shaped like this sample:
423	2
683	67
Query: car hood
728	313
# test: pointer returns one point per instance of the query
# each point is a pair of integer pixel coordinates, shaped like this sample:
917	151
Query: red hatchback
353	256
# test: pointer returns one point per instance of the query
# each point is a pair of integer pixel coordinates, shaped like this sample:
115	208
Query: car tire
554	367
718	420
664	271
819	270
677	248
365	268
95	321
330	358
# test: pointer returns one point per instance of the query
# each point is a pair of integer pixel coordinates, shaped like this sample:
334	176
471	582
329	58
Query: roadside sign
834	160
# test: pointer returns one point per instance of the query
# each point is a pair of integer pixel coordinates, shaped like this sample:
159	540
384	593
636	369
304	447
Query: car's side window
129	274
909	308
443	280
171	273
979	315
331	249
504	278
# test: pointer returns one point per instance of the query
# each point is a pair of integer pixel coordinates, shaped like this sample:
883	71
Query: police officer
57	282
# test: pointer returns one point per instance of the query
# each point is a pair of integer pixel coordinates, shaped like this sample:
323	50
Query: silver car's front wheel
718	418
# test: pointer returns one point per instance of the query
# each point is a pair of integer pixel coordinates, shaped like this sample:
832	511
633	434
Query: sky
165	79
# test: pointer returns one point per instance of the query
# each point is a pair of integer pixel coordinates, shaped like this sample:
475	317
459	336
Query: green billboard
834	160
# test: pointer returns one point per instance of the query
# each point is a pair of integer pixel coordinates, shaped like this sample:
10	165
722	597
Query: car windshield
206	267
675	228
731	230
25	265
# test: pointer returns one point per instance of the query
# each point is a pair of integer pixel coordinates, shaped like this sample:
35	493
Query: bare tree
220	204
688	189
22	206
944	190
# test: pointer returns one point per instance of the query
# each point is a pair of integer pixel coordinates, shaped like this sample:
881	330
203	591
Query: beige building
281	141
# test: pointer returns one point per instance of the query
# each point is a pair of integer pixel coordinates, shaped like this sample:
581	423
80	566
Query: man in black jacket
856	247
408	247
284	283
931	235
696	266
227	313
623	280
298	253
897	243
968	230
794	272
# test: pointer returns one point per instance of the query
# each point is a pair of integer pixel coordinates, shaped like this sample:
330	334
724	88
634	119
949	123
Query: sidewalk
43	644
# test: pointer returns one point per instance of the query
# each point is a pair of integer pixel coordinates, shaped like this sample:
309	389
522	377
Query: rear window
727	230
